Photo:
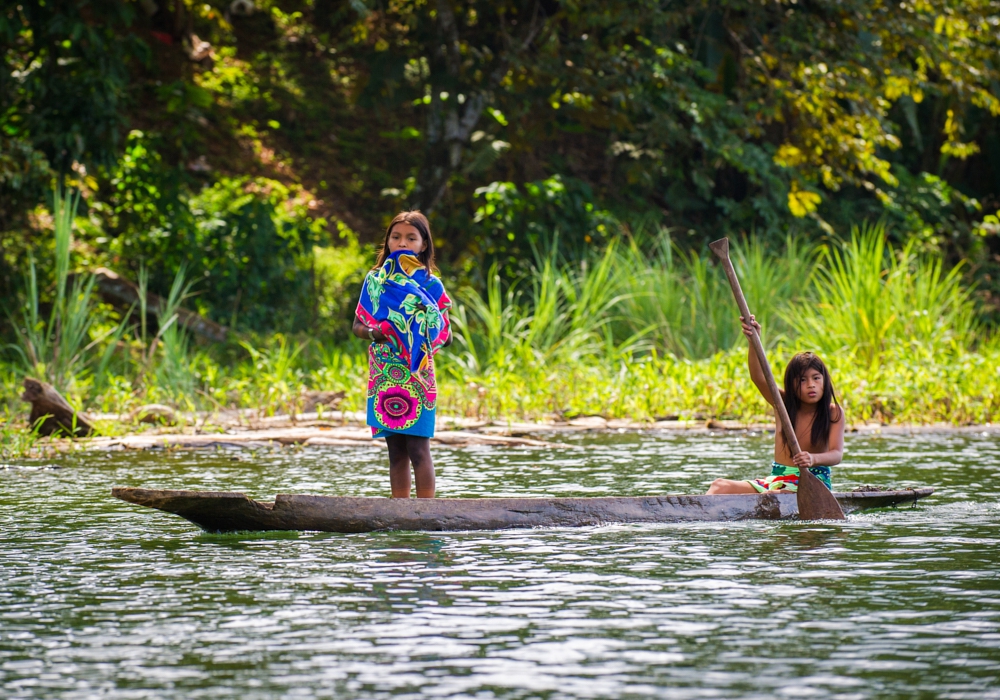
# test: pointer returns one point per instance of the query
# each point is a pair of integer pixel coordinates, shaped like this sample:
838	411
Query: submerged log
222	511
55	414
115	288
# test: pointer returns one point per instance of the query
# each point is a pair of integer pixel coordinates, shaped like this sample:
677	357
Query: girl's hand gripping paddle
814	499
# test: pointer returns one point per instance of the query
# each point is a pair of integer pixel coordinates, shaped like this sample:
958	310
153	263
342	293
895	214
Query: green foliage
64	80
147	203
275	375
556	214
896	327
527	127
255	244
566	315
166	361
60	347
866	297
720	119
686	306
907	387
24	175
340	271
249	240
15	441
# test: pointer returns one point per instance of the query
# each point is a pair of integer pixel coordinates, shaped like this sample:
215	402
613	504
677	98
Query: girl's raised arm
756	373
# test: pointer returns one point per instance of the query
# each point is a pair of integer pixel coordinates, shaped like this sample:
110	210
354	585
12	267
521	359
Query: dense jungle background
240	159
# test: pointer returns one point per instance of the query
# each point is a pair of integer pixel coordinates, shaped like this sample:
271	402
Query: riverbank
249	430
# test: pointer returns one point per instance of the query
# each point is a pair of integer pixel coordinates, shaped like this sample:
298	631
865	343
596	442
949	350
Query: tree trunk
449	123
55	414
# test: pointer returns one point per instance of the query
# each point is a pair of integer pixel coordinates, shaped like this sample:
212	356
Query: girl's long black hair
797	367
417	220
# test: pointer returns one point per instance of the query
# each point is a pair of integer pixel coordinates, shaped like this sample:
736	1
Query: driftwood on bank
315	436
116	289
154	413
54	413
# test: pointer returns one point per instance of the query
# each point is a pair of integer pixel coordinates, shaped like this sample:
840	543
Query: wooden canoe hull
220	511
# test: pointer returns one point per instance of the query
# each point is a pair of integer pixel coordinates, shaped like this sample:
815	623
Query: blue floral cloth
407	303
401	297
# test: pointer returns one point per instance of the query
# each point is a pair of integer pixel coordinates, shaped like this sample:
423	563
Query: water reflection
102	598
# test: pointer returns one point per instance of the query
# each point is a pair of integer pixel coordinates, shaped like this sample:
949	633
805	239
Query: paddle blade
815	500
720	248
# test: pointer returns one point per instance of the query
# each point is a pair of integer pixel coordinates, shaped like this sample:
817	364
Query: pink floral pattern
398	408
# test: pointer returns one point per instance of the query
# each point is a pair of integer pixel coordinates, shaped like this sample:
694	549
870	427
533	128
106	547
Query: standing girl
815	414
403	311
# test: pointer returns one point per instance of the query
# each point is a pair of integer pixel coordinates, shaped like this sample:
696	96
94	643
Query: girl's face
405	237
811	386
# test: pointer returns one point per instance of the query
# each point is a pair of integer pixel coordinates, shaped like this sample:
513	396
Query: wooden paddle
814	498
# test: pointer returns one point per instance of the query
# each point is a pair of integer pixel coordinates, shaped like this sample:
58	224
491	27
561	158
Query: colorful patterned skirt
400	401
787	478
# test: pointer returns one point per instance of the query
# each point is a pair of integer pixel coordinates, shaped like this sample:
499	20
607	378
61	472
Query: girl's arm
835	445
361	331
756	373
447	324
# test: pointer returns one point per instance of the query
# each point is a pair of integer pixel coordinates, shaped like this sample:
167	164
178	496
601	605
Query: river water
102	598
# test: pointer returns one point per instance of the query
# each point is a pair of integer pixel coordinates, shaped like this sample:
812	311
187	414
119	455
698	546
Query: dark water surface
102	598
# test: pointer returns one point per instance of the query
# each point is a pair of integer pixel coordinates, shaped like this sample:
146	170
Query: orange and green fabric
785	478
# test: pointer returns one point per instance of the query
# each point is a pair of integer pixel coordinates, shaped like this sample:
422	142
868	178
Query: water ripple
103	598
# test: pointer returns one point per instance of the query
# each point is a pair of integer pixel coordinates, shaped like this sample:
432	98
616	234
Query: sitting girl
814	412
403	311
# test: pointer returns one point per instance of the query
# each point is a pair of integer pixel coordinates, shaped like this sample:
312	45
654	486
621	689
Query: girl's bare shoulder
836	413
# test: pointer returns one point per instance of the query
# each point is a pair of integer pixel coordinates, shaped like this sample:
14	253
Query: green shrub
866	296
340	271
521	225
246	242
54	330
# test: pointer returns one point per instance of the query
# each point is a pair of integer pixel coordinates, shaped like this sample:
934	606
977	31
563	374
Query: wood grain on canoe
223	511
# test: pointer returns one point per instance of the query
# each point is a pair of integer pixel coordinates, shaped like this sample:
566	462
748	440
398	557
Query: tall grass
566	315
59	348
165	362
173	368
17	442
866	296
638	329
276	376
664	338
685	305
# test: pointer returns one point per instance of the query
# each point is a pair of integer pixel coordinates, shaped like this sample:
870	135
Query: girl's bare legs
404	450
419	450
721	486
399	465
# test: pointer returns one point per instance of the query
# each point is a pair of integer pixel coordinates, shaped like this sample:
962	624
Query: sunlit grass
55	341
681	303
910	384
632	332
866	297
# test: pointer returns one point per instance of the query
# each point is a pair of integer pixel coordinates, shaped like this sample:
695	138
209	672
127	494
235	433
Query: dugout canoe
221	511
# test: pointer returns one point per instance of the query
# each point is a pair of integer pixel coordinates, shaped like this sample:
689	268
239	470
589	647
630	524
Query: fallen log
51	412
115	288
